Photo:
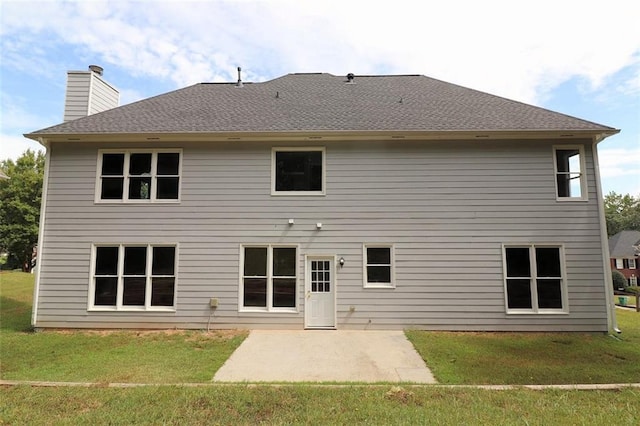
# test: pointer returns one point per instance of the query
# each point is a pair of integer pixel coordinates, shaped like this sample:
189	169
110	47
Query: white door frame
307	288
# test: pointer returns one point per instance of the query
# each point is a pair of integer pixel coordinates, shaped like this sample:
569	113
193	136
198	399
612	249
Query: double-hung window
138	176
632	264
619	263
269	278
378	266
133	277
534	279
298	171
571	184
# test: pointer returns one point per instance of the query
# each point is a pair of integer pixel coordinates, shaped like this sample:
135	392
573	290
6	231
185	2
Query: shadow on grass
16	315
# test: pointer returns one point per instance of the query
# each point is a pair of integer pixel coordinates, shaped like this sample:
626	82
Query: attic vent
350	77
239	84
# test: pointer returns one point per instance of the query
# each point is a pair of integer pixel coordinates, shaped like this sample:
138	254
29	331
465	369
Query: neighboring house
319	201
624	250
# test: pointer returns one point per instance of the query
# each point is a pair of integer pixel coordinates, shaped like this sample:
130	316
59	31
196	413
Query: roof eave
341	135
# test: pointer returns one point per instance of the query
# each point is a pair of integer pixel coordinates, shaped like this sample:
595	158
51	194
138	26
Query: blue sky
581	58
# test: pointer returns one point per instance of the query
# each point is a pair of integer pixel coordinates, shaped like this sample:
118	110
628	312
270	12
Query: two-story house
321	201
624	250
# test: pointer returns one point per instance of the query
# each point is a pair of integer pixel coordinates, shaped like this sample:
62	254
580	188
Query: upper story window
378	266
534	279
570	177
632	264
298	171
133	277
138	176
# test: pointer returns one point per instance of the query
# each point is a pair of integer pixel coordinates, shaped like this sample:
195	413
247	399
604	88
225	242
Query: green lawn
123	356
534	358
195	356
250	405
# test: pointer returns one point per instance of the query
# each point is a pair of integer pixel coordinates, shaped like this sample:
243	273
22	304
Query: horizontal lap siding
446	206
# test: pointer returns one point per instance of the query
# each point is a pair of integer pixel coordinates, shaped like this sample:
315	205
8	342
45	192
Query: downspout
43	209
612	322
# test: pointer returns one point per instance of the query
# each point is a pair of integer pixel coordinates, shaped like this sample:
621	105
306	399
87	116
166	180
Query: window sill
571	199
379	286
137	202
297	194
266	311
545	312
146	310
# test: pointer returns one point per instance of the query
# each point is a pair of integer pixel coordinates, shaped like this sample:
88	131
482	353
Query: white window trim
632	263
583	173
365	277
532	280
125	189
269	308
119	307
322	193
619	263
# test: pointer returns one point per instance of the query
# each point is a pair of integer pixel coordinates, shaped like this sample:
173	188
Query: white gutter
43	209
612	322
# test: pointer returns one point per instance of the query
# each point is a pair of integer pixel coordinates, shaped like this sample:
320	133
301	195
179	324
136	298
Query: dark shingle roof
324	102
621	244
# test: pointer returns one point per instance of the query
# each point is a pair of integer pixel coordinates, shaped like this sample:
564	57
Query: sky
581	58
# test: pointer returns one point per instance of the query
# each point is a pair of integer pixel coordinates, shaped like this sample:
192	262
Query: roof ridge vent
239	83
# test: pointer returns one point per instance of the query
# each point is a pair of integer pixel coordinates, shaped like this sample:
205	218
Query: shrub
632	289
619	281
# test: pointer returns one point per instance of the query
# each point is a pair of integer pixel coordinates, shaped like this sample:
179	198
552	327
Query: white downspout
612	322
43	209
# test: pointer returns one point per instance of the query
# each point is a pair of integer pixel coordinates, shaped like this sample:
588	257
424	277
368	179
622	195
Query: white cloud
12	147
515	49
620	162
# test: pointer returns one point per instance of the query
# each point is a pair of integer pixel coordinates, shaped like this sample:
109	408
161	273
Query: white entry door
320	302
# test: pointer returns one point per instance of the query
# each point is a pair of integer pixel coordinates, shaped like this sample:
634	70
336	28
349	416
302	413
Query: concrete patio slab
325	356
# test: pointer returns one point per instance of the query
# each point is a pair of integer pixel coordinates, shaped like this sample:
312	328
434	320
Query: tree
20	198
622	213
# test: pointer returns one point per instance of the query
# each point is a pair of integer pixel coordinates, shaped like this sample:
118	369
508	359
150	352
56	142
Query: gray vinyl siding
87	94
447	207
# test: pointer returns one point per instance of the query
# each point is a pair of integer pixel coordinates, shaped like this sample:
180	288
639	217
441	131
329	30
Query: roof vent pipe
97	69
239	84
350	77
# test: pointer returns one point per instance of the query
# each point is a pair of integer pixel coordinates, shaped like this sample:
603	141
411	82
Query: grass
194	357
533	358
122	356
244	405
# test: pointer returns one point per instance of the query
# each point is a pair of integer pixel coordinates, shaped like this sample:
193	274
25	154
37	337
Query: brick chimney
87	93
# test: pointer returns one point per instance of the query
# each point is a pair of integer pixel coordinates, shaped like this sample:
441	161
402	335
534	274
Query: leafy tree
622	212
619	281
20	198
